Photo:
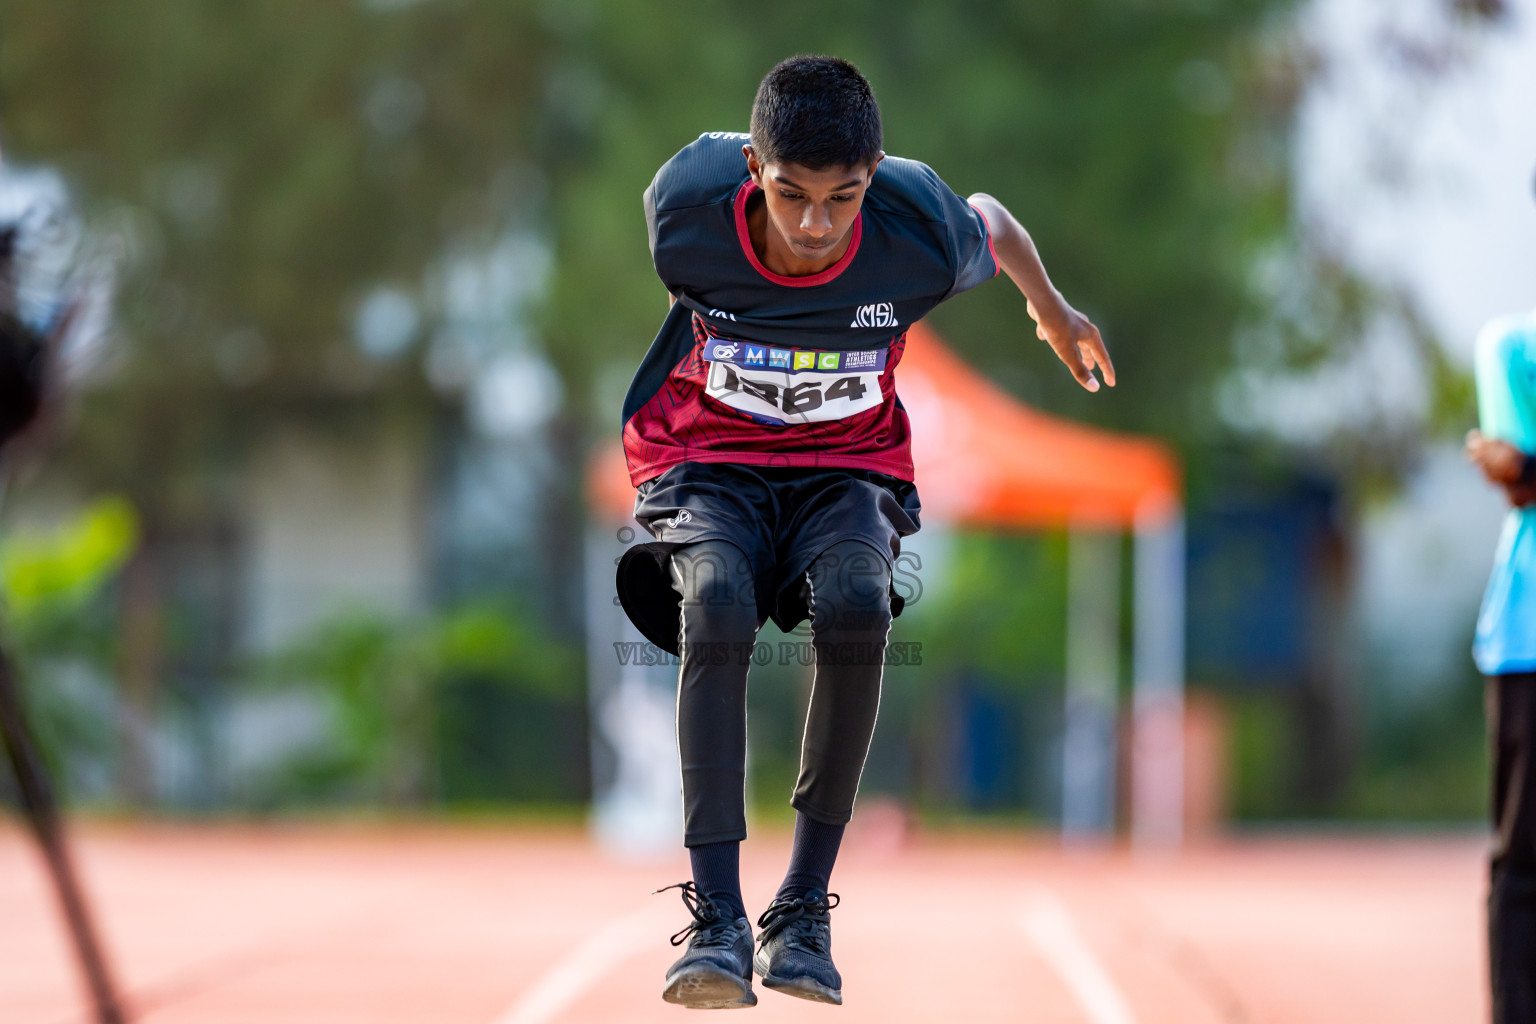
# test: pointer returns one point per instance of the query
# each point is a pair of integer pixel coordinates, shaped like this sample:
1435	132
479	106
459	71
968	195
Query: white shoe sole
703	987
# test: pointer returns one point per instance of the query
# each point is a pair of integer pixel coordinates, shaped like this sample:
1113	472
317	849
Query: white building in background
1415	160
332	526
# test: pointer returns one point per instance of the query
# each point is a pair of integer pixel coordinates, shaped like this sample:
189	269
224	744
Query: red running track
496	925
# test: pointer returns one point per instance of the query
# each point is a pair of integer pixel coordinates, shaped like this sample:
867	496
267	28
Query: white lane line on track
583	967
1048	925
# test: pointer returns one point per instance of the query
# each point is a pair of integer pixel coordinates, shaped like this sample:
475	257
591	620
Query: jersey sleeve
970	244
706	171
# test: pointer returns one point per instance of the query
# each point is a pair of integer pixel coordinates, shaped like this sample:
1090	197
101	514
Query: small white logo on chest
876	314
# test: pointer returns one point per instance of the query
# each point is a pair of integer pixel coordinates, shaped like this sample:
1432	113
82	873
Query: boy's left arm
1074	339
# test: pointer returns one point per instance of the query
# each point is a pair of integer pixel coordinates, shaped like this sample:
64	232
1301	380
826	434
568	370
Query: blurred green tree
55	591
263	169
396	739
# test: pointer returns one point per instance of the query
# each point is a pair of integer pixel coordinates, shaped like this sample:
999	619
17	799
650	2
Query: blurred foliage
1424	757
49	575
260	170
1261	742
267	163
61	627
1424	763
385	685
1490	10
1322	327
1001	613
259	173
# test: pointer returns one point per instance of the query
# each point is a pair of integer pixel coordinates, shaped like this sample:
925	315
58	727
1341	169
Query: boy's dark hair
818	112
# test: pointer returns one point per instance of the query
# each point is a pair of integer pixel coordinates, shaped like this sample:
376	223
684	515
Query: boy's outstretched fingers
1083	370
1073	357
1083	354
1098	355
1067	350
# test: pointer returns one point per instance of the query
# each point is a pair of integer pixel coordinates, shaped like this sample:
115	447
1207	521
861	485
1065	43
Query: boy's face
811	211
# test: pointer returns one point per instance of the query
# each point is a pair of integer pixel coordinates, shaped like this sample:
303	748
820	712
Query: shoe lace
806	920
710	924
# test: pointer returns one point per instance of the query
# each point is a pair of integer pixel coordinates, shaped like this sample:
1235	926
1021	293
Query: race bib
785	385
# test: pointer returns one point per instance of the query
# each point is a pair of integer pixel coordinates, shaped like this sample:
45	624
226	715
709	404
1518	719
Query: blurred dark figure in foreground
23	358
1505	651
21	352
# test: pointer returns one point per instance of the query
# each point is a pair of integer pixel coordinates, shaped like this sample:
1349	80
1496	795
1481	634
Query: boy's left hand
1076	342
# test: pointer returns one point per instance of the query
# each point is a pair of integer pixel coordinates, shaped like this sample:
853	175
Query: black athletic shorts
781	518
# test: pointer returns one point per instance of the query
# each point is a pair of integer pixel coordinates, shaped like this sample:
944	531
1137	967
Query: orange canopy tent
985	459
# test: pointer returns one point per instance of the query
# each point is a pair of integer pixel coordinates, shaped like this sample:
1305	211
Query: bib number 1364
794	397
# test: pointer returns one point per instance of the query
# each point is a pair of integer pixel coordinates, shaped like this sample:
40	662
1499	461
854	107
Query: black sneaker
716	972
794	953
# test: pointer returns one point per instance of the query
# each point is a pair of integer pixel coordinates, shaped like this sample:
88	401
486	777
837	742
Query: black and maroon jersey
751	367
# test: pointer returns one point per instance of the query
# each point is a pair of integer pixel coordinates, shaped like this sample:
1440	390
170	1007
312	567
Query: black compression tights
848	591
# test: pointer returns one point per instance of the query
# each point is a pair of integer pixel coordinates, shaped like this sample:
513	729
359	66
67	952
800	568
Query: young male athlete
774	467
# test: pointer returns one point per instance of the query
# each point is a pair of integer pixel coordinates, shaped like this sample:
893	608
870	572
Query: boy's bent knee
715	582
850	590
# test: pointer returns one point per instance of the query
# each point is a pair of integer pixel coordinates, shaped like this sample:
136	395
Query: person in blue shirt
1505	651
